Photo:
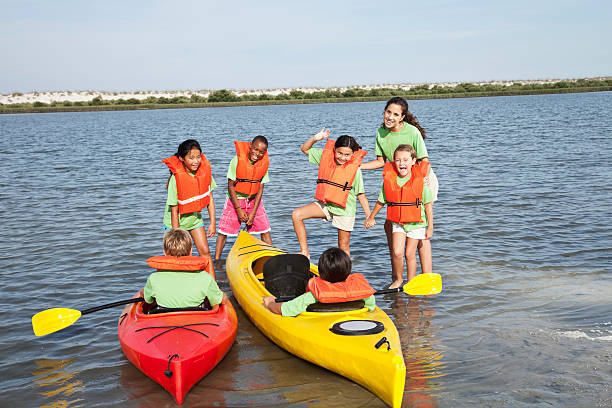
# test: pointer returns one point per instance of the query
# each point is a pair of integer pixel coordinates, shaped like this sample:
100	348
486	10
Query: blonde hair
177	242
405	148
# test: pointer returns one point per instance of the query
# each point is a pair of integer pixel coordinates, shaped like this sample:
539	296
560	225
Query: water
522	240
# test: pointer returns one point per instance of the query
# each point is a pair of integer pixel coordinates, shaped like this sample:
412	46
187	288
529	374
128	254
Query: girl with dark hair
190	188
339	186
402	127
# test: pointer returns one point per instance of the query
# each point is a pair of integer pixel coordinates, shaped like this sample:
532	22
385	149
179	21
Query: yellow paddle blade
52	320
424	284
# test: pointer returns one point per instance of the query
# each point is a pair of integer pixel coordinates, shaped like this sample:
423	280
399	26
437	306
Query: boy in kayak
246	176
181	280
335	283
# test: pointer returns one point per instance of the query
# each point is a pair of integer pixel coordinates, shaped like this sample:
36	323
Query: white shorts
342	222
418	233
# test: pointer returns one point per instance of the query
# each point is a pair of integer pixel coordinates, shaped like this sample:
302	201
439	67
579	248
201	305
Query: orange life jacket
179	263
404	203
193	191
336	181
249	175
355	287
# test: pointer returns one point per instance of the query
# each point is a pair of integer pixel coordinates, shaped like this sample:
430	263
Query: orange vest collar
355	287
179	263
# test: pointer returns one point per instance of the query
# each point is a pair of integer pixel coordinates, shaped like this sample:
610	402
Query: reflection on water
412	317
57	383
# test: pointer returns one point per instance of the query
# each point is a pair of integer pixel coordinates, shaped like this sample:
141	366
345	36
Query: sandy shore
83	96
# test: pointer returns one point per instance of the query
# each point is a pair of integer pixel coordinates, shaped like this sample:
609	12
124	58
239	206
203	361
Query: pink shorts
229	224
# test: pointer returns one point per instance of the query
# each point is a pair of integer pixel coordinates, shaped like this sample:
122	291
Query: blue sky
174	45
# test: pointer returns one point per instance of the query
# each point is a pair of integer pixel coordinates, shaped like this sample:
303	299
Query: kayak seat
336	307
287	275
159	309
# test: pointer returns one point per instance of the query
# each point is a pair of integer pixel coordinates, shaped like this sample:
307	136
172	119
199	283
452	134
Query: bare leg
221	240
265	237
298	216
389	234
397	259
411	257
424	247
344	241
201	243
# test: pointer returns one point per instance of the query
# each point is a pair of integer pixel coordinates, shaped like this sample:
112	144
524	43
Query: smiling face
257	151
403	162
343	154
393	117
192	160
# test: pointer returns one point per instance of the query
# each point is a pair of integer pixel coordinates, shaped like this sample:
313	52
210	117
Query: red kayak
176	349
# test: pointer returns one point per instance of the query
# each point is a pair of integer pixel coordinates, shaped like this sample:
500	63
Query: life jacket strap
239	180
417	203
344	186
192	199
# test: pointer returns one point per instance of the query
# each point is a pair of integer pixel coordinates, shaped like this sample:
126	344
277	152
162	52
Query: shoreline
87	101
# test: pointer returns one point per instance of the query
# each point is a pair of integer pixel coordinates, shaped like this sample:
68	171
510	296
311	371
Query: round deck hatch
357	327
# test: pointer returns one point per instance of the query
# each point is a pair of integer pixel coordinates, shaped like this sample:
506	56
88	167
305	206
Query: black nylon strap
344	186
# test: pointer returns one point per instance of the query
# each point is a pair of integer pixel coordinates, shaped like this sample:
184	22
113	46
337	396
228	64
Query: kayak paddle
52	320
420	285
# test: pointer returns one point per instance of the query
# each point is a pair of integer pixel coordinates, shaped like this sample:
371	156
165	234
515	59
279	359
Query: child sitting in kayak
339	185
409	208
335	283
181	280
190	188
246	176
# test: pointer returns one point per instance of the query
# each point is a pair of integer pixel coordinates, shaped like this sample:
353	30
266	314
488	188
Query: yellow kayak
360	345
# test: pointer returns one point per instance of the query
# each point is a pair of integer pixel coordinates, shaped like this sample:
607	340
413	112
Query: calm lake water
522	239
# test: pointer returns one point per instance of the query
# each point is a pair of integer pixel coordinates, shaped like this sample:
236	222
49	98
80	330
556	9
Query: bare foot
396	284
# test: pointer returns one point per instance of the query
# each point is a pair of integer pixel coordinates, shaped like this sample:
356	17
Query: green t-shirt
314	156
427	198
187	221
231	174
387	141
298	305
181	289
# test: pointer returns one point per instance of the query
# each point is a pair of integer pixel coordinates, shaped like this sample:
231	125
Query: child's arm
242	215
363	200
374	164
271	305
370	222
251	215
319	136
429	215
174	216
212	229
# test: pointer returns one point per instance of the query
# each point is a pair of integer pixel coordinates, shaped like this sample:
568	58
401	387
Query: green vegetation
224	97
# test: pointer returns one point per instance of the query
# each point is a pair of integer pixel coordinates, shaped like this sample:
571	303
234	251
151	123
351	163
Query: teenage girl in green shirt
401	127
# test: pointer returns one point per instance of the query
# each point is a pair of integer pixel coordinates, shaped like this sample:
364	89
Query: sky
151	45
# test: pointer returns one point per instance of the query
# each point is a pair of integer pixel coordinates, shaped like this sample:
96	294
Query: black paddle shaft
109	305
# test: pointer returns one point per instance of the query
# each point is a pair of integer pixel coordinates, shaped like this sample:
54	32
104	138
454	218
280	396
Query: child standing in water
402	127
246	176
409	210
190	188
339	185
